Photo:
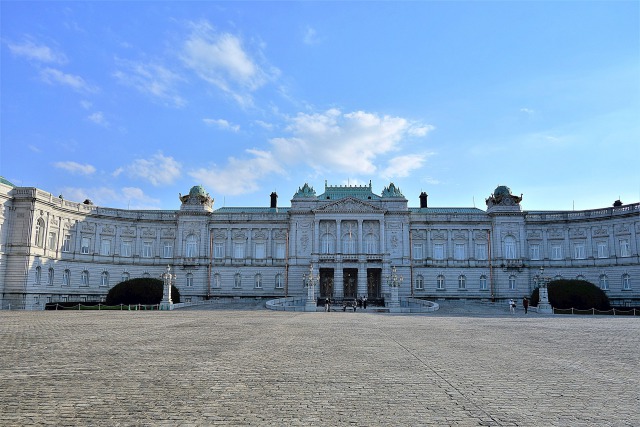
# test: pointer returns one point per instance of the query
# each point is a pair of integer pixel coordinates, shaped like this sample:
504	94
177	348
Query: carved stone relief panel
556	233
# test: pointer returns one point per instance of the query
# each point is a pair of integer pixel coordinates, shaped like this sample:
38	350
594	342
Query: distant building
53	249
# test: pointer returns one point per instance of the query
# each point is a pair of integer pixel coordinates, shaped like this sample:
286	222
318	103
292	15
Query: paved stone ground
259	367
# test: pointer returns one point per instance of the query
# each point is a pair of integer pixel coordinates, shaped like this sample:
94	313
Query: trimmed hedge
579	294
140	291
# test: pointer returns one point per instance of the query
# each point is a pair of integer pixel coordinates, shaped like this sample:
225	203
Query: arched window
237	281
125	276
626	282
512	282
279	283
483	283
510	247
104	279
84	278
66	277
50	276
440	282
604	282
216	280
419	282
327	244
191	250
40	233
189	279
462	282
258	281
580	277
38	274
557	277
371	244
146	275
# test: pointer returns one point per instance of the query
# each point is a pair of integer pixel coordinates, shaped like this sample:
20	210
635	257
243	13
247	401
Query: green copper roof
447	210
5	182
250	210
334	192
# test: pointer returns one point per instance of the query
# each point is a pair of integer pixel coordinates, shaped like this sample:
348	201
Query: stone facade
52	249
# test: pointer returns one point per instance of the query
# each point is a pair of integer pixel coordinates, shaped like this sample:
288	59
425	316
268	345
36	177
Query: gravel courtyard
258	367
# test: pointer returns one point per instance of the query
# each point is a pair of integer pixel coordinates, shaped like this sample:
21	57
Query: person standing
512	306
364	302
525	304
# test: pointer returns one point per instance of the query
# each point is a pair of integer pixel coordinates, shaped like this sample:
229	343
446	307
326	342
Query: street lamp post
168	279
310	281
543	293
394	280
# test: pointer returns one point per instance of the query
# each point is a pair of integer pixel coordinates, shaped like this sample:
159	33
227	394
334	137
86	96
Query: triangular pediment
348	204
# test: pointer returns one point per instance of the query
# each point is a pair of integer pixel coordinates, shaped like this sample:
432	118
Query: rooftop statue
305	191
392	191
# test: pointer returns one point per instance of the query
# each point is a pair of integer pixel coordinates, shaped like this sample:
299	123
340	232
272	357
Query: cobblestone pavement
259	367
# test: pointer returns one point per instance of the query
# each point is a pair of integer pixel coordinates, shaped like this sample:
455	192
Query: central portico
349	228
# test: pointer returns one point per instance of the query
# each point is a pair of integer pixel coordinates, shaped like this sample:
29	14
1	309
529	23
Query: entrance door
374	279
326	283
350	280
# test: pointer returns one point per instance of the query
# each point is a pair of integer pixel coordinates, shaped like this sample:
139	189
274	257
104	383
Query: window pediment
348	205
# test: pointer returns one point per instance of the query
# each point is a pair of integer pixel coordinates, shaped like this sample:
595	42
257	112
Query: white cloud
98	118
75	168
158	170
239	176
403	166
333	141
151	79
37	52
221	124
53	76
86	104
527	111
221	60
264	125
34	148
126	197
310	36
419	130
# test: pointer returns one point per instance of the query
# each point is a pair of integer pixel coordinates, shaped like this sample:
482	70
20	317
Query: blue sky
130	103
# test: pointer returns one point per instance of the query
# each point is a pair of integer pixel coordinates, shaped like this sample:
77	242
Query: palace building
54	250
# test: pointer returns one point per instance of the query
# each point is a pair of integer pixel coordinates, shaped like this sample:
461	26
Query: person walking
512	306
525	304
364	302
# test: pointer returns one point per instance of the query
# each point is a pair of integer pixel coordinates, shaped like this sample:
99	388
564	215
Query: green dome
502	190
197	190
6	182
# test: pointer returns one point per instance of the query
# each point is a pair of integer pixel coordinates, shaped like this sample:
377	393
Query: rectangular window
146	250
218	250
556	252
625	249
438	251
126	249
602	250
483	283
417	251
238	250
66	243
53	241
105	247
280	250
534	251
579	251
279	284
481	251
459	252
167	250
65	278
86	243
260	251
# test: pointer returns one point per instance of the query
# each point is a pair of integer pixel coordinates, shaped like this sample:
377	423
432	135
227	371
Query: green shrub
140	291
578	294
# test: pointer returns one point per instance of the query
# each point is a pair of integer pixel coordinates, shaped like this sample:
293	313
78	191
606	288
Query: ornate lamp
168	278
310	281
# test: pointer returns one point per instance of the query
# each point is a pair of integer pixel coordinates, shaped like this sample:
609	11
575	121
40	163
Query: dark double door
350	282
